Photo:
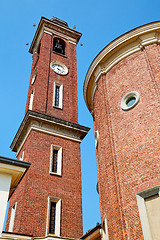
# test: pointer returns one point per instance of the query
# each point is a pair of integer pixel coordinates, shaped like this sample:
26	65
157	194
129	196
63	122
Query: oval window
130	100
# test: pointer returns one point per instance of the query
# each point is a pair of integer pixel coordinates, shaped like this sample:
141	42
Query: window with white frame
58	95
13	212
22	156
96	138
56	160
31	100
104	230
149	209
53	216
34	76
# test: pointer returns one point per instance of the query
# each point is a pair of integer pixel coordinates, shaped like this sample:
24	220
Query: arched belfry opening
59	46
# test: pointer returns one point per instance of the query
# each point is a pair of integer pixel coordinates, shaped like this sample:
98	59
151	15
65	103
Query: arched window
59	46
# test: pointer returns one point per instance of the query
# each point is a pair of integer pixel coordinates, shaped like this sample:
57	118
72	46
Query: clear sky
100	22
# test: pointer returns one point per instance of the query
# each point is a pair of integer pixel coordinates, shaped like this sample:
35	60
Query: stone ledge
16	236
47	124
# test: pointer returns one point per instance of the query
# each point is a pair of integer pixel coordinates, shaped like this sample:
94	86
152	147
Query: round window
130	100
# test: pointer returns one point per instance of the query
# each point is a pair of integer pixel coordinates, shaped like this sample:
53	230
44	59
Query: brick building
121	90
48	201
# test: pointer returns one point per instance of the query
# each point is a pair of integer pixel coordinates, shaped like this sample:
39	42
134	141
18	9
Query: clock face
59	68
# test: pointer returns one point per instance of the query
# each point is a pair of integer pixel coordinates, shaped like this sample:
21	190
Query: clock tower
48	201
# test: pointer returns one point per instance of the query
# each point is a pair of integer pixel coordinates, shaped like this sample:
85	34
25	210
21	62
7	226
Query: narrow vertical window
53	216
58	95
13	212
96	138
57	89
56	160
34	76
38	49
31	100
22	156
105	230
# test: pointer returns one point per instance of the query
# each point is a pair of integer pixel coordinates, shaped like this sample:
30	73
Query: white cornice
34	121
117	50
47	130
53	28
72	42
14	236
53	237
47	32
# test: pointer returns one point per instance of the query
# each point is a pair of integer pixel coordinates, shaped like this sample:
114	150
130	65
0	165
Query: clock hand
61	69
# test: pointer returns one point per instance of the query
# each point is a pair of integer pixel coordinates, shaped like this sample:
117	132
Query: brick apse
121	91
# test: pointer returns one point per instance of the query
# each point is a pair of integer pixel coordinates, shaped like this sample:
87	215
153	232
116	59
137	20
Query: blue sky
100	22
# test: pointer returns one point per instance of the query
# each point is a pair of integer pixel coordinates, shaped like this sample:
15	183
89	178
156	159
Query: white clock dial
59	68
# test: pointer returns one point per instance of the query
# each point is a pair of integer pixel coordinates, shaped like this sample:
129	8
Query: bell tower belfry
48	200
53	83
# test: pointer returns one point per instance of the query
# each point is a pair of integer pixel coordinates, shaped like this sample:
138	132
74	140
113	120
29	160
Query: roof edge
116	45
40	28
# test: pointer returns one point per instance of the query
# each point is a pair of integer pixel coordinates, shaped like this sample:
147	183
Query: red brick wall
128	150
44	84
34	189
